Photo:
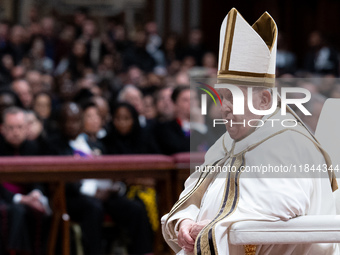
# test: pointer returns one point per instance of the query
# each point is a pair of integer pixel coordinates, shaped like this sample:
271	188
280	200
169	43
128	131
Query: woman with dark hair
139	214
43	107
78	60
92	123
126	136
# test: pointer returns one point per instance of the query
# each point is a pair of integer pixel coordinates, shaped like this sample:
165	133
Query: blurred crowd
77	88
69	89
47	63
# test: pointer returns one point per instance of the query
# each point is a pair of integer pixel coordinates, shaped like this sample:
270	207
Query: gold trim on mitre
265	26
263	35
250	81
228	38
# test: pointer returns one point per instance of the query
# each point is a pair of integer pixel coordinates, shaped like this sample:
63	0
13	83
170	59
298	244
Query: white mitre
247	53
247	56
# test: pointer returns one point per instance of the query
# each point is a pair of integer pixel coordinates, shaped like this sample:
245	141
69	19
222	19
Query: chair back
328	134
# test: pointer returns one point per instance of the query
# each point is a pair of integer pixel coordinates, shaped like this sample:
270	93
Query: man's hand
32	200
36	194
197	227
185	241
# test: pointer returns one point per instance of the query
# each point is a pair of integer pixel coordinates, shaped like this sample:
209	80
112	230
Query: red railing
168	171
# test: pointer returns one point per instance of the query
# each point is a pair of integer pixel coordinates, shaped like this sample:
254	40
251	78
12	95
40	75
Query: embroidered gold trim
249	249
228	39
198	184
266	28
231	37
233	74
226	209
241	81
183	199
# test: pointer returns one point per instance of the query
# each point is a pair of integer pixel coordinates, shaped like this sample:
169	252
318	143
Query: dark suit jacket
27	148
6	195
59	145
171	138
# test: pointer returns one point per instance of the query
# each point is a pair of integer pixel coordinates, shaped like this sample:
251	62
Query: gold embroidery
227	207
197	186
249	249
266	28
228	40
245	81
224	74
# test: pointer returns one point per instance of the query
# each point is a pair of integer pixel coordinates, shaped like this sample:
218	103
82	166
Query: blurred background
295	19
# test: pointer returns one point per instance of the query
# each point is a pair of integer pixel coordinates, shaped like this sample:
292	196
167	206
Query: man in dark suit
174	136
14	131
25	205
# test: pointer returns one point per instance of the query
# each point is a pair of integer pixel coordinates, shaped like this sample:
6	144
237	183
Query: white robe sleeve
170	225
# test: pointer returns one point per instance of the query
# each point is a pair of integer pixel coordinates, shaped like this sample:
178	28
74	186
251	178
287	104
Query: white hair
125	90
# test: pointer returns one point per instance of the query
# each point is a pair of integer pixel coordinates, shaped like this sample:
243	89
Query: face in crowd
34	126
103	108
125	119
134	97
164	104
92	120
24	91
14	128
42	105
150	111
182	105
71	119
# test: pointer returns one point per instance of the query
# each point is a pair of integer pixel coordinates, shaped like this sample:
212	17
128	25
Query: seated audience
25	204
86	210
87	199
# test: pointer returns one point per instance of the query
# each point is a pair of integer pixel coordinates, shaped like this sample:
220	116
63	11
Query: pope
213	200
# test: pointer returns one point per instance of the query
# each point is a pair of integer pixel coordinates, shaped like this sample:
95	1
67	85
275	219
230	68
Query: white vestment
281	197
